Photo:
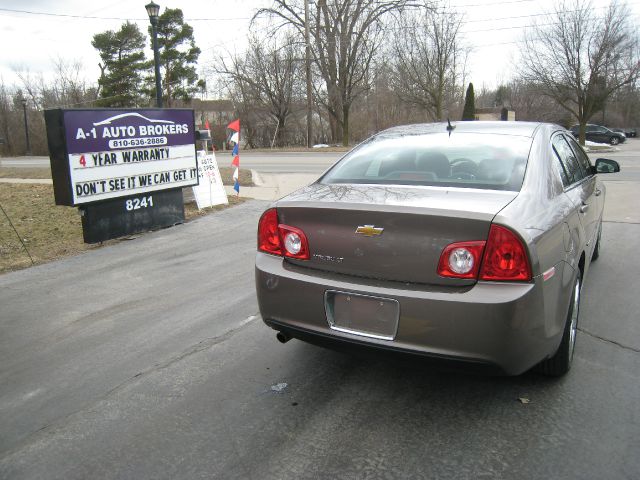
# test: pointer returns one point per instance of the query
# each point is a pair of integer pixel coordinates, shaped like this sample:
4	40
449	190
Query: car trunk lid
392	233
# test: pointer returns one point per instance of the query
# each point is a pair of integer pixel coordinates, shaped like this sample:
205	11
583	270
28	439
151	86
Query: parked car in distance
600	134
628	132
467	244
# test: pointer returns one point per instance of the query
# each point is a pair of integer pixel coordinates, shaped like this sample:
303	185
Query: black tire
614	140
596	249
560	362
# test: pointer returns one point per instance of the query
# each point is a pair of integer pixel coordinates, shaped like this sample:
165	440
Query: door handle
584	208
598	192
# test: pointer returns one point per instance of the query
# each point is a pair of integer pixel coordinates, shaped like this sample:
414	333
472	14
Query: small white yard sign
210	190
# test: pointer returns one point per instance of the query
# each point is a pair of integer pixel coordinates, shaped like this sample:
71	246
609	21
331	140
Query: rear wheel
614	140
560	362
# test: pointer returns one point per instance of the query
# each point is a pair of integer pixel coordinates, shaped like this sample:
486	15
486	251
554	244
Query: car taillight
505	257
268	236
279	239
294	241
461	260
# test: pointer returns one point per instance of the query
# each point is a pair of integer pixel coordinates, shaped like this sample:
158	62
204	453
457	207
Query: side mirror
604	165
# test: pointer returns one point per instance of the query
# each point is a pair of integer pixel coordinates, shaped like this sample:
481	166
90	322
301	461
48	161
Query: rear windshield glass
471	160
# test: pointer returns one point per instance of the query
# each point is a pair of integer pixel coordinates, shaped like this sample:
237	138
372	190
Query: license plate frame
363	315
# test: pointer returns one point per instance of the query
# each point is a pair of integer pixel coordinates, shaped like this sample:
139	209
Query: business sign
104	154
210	190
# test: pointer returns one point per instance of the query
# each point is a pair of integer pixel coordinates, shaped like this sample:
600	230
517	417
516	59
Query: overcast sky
34	32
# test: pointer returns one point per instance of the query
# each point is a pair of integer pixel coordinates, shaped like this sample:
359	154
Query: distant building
496	113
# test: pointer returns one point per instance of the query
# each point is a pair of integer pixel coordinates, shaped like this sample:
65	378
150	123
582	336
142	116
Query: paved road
629	158
284	162
287	162
318	162
147	359
24	162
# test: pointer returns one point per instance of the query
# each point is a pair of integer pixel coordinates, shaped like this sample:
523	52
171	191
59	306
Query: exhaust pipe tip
283	337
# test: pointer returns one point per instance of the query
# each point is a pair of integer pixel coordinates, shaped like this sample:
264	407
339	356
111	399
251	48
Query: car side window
581	156
568	159
560	169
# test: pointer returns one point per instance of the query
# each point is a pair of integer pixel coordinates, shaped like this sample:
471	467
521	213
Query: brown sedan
465	243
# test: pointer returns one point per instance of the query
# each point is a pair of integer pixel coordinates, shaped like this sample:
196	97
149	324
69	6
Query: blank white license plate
364	315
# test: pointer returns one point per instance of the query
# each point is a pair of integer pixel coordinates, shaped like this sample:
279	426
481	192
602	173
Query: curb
256	178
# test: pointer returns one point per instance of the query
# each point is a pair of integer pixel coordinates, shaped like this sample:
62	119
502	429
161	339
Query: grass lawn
13	172
49	231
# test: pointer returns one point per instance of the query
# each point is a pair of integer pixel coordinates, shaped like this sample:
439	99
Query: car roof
525	129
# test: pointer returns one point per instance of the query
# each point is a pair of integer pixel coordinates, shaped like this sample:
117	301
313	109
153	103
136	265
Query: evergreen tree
469	112
178	56
123	66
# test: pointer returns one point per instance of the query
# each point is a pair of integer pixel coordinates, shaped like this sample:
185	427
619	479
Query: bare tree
31	85
429	60
579	59
66	88
528	104
243	97
6	119
69	87
345	37
623	108
268	76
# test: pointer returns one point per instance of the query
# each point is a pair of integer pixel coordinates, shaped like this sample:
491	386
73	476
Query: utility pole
307	55
26	126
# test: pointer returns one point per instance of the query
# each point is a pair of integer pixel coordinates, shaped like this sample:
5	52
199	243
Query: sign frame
126	152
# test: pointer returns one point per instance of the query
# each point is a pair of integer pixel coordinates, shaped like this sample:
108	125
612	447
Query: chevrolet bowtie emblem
369	230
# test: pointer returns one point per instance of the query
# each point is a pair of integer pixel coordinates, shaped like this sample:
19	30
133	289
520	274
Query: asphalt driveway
147	359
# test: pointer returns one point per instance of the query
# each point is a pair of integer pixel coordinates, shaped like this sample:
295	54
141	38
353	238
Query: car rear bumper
499	326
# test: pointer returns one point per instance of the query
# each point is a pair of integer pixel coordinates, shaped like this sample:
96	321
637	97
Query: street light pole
26	126
153	10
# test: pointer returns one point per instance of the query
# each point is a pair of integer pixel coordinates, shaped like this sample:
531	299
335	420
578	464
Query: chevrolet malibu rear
452	243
